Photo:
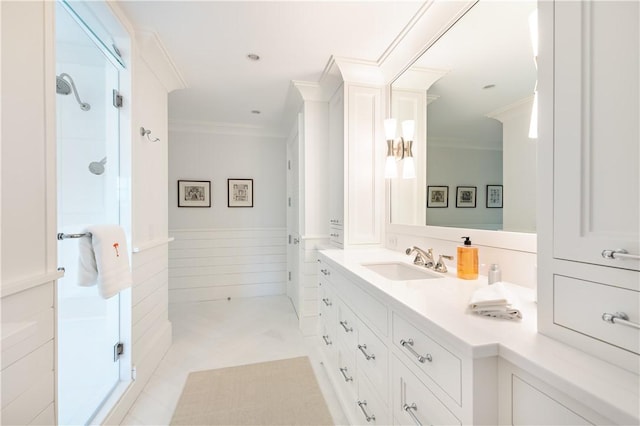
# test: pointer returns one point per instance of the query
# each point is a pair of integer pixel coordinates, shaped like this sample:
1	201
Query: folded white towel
496	301
104	260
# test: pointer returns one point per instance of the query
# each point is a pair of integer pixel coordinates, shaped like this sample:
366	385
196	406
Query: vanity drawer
372	358
579	305
437	362
411	396
370	309
347	326
327	307
346	369
370	402
336	235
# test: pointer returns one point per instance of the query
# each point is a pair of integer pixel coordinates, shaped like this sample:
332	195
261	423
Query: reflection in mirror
471	96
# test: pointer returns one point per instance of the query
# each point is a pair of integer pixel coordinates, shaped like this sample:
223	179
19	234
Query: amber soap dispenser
467	260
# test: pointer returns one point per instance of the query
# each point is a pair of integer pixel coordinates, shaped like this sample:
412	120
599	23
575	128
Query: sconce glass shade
533	125
390	128
408	129
533	31
390	168
408	168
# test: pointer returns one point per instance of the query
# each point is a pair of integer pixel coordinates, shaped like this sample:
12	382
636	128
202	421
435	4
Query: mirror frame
518	241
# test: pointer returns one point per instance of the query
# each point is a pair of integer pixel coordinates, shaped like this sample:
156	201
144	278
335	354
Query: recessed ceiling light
489	86
255	111
253	57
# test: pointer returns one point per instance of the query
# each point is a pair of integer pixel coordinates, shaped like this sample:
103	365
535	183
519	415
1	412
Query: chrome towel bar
62	236
619	318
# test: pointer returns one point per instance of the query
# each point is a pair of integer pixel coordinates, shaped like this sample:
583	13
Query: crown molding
522	106
194	126
153	52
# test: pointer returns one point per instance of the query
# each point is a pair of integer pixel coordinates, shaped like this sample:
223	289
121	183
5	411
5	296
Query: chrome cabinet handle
409	409
619	318
327	301
344	374
326	339
344	325
363	404
619	254
325	272
408	345
366	355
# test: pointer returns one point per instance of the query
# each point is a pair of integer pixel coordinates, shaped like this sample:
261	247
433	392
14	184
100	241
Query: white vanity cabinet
358	363
527	400
356	185
590	206
388	368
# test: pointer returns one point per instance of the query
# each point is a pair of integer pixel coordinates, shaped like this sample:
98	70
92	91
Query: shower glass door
88	326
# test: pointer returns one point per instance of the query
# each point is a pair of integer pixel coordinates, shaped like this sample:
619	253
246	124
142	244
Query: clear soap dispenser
467	260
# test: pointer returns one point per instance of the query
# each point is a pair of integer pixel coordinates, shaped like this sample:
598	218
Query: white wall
455	167
219	251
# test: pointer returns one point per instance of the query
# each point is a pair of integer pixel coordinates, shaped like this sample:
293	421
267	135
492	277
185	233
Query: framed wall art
494	196
240	192
437	196
466	197
194	193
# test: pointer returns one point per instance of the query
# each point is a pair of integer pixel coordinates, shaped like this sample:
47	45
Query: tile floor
218	334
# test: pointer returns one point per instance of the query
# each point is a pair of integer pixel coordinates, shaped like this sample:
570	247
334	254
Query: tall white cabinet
356	191
590	205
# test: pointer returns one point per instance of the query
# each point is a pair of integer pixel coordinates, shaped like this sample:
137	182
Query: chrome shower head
65	85
62	87
97	167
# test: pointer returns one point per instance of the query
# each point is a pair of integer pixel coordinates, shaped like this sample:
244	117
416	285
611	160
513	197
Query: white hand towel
496	301
104	260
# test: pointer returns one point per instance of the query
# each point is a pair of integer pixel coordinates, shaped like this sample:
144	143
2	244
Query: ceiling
208	42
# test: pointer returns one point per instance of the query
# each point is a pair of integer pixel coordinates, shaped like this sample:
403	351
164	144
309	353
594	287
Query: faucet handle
440	266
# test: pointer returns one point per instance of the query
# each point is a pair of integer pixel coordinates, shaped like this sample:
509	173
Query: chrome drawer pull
619	318
408	409
326	339
344	374
344	325
366	355
408	345
363	404
619	254
327	302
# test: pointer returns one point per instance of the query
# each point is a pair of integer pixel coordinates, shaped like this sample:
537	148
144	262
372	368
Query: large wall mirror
471	96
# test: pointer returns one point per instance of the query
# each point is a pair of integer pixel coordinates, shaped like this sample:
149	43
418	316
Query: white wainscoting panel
27	355
210	264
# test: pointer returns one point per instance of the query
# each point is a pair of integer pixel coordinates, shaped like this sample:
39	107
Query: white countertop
606	388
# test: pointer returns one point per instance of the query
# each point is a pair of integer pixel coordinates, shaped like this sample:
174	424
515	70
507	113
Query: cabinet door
364	157
596	141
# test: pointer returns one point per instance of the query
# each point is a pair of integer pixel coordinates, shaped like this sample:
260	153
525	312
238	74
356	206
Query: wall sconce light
399	150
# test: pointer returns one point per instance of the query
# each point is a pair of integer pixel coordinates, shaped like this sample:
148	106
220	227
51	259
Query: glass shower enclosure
87	122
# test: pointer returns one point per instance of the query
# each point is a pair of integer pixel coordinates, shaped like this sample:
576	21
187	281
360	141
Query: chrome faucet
440	266
423	258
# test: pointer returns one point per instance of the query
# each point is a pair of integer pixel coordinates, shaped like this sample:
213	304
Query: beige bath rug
283	392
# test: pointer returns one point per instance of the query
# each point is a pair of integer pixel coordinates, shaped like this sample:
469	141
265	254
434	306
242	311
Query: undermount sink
398	271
